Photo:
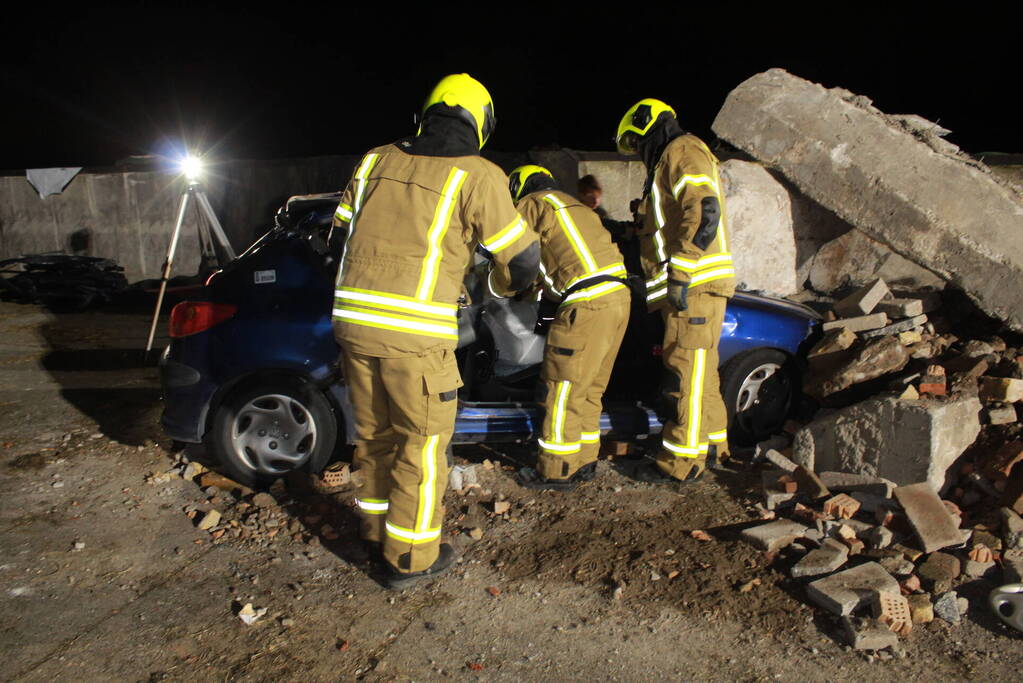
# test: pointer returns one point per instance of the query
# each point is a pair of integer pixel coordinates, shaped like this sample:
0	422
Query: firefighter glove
677	294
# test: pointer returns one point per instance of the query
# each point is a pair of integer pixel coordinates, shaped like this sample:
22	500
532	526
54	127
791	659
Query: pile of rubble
855	499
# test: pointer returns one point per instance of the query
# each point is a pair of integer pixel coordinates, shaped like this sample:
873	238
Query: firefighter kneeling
583	271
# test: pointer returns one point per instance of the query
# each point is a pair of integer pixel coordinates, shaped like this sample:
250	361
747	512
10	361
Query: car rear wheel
759	389
272	426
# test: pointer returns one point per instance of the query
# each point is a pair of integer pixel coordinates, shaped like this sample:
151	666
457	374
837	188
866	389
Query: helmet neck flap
444	132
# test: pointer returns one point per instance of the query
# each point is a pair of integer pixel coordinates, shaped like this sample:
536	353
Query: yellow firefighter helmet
472	100
637	122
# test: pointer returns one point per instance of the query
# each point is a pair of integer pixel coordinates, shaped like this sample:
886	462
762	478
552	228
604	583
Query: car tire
760	389
270	426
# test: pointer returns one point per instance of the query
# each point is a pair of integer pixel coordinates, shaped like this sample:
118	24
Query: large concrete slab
899	184
904	441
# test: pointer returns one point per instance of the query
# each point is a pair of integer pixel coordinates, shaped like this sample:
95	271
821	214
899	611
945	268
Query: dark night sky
90	85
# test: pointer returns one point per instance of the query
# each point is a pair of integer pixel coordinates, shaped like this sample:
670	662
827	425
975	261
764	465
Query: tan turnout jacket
677	239
412	223
574	246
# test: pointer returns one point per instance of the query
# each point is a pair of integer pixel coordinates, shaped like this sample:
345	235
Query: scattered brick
895	328
868	634
910	393
929	518
842	506
892	610
911	584
910	337
981	553
824	560
786	484
920	608
935	385
1003	389
338	474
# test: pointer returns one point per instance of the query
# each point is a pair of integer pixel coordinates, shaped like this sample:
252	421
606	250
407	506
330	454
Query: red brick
842	506
787	484
933	385
981	553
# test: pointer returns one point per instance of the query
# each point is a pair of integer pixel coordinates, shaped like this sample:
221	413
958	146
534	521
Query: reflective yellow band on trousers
373	506
560	408
410	536
507	236
685	451
590	437
560	448
718	436
428	467
696	397
343	212
435	235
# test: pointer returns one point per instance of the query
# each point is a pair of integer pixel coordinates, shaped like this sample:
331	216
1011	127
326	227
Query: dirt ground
104	575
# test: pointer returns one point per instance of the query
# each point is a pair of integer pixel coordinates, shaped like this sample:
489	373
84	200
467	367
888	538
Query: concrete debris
896	327
946	606
920	608
897	309
1012	566
779	460
897	566
847	591
938	572
875	359
1012	528
836	148
934	526
853	258
1004	389
880	537
892	610
809	483
858	324
774	497
823	560
760	228
263	500
863	301
927	435
868	634
1001	414
209	520
251	615
774	535
847	482
977	570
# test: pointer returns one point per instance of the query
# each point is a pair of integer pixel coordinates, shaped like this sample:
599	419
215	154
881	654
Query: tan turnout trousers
582	344
690	353
404	411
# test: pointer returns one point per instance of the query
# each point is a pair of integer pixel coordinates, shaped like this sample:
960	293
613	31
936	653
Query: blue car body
283	293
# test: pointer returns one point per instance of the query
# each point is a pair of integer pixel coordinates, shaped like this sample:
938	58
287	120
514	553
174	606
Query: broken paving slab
934	526
903	441
823	560
887	181
847	591
773	535
846	482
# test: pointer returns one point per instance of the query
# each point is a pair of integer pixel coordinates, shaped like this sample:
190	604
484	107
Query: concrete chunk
900	308
846	591
773	535
904	441
846	482
888	181
779	460
896	327
876	358
863	300
868	634
830	556
858	324
931	521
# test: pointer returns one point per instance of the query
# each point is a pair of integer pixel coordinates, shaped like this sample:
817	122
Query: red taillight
192	317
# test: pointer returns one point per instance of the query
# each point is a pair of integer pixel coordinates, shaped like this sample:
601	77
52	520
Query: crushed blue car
252	366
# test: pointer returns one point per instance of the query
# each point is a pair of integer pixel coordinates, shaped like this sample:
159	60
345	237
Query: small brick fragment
981	553
911	584
935	370
842	506
338	474
892	610
787	484
934	385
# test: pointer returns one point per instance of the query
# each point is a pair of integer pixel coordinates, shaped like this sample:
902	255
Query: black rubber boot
712	459
397	580
531	479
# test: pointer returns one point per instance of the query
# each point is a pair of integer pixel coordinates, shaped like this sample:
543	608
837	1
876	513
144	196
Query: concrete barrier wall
129	216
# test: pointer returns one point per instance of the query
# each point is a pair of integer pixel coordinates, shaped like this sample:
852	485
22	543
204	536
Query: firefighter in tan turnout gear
684	246
407	227
583	271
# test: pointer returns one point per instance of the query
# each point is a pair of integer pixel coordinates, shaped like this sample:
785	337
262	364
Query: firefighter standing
584	272
690	277
407	225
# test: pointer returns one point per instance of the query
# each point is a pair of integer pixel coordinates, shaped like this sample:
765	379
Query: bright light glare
191	166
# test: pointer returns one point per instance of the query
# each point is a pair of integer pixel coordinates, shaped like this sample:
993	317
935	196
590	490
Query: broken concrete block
871	503
876	358
846	591
934	526
834	340
863	300
895	328
780	461
1001	414
938	572
760	228
868	634
209	520
904	441
946	606
775	498
920	608
853	258
880	537
846	482
911	554
842	506
892	610
809	483
773	535
829	557
837	148
897	566
858	324
1004	389
896	309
